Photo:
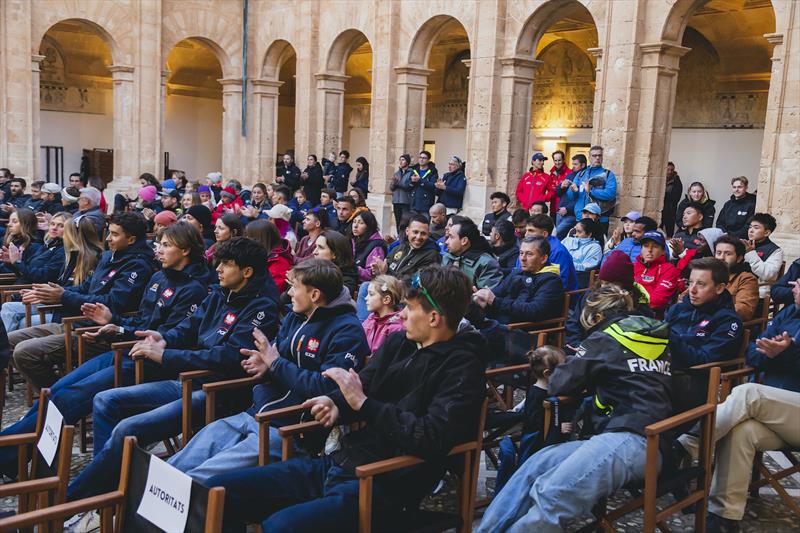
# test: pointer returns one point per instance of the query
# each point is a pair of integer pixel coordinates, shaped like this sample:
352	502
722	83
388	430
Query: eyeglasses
416	283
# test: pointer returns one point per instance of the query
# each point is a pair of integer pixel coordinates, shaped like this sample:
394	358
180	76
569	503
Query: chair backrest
205	505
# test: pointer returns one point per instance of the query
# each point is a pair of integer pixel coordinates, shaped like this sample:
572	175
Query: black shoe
718	524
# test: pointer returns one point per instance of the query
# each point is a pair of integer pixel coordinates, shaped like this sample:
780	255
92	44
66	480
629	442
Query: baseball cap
592	208
633	216
280	211
655	236
539	155
170	192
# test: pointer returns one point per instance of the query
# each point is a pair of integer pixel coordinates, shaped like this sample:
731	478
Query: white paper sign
165	502
51	433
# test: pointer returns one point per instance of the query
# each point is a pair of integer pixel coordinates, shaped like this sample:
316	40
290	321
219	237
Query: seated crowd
385	340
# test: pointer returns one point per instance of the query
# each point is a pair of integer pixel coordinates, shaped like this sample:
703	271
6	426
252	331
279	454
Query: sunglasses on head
416	283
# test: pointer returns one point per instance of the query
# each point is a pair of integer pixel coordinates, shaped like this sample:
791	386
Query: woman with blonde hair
82	248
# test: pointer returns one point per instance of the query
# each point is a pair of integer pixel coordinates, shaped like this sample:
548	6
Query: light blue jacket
586	252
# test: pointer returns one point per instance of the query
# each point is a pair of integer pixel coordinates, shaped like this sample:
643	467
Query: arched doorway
76	102
721	95
286	103
439	63
193	129
346	96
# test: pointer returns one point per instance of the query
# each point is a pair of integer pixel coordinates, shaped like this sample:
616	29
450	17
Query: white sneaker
88	522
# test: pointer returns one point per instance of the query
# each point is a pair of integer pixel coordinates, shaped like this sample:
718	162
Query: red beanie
617	268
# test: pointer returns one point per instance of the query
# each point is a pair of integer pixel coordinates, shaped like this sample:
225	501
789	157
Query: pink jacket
377	328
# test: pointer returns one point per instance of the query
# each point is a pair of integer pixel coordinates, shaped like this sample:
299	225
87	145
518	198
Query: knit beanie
166	218
148	193
230	192
201	214
617	268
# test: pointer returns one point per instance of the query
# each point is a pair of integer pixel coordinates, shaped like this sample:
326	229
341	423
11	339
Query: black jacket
576	333
735	214
781	291
420	401
709	209
490	219
672	196
423	191
291	177
404	261
625	363
314	183
507	255
526	297
699	335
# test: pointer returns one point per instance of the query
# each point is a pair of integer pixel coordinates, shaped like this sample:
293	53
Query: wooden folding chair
542	324
38	484
655	485
468	454
761	317
118	509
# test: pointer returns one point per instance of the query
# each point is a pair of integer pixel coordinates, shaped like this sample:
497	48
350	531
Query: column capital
663	56
121	72
413	71
230	85
596	52
774	38
330	81
36	62
268	87
520	68
412	76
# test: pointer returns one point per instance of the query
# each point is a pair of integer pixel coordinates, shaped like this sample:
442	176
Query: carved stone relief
563	91
57	93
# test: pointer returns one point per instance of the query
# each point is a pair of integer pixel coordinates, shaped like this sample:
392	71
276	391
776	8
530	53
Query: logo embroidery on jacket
230	318
313	344
167	293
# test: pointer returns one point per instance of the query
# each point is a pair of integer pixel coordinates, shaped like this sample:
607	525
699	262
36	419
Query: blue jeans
361	302
224	445
13	316
564	481
151	412
303	494
563	225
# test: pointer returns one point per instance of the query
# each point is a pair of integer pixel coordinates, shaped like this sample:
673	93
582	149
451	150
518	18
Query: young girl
623	231
383	303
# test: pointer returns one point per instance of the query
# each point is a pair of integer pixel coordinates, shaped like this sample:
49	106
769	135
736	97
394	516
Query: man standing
470	252
340	174
536	185
673	191
290	173
737	211
597	185
400	186
558	174
704	326
423	178
498	202
567	192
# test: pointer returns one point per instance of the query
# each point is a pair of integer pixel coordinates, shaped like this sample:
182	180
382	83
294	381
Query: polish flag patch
167	293
230	318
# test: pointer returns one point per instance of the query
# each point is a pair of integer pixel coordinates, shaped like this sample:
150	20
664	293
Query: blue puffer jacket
455	185
699	335
783	370
526	297
171	296
423	192
117	282
331	337
210	339
43	265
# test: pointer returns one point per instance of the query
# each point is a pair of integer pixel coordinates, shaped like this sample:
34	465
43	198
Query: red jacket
534	186
557	178
220	209
279	262
659	278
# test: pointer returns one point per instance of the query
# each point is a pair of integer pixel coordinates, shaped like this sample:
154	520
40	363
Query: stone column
231	128
778	180
516	89
36	62
265	143
162	120
125	142
412	89
330	88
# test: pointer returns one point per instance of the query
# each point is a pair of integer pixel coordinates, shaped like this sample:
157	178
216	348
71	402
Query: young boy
764	256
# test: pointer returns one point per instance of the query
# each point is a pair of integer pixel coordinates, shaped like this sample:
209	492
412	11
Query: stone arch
216	49
277	54
341	47
427	35
678	18
540	21
212	28
104	34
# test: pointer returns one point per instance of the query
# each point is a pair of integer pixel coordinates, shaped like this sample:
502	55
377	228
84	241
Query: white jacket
765	271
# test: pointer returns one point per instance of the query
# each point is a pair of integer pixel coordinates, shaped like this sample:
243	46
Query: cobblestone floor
765	513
